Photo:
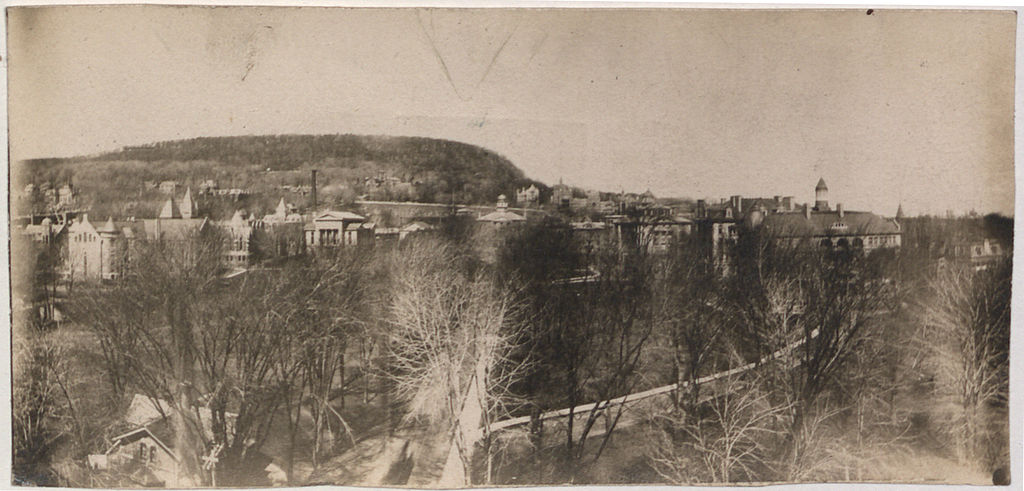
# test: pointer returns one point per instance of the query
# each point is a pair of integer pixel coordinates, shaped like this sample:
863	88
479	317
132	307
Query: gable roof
338	215
144	412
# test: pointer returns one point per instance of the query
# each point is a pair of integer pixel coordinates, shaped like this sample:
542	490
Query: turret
821	196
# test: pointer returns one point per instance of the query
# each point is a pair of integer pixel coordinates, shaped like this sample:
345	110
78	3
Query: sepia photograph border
1016	334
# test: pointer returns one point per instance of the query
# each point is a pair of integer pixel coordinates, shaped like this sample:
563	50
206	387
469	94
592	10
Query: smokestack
313	189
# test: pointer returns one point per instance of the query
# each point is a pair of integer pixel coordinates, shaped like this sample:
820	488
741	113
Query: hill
380	167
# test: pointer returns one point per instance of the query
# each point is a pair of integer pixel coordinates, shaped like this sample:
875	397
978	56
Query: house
527	196
338	228
282	214
146	450
168	187
238	231
208	186
982	254
48	232
414	228
561	195
65	195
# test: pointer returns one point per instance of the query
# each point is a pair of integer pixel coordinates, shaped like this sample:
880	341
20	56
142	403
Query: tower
899	212
821	196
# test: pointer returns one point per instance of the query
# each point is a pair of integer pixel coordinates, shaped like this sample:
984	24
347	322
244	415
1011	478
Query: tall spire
899	212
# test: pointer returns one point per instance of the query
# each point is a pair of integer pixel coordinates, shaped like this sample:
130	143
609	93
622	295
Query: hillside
380	167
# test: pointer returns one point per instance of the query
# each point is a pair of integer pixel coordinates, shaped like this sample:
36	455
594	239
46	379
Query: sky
896	107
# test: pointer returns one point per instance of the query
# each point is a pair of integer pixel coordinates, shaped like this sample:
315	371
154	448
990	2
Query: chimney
737	203
787	203
807	211
839	209
313	189
702	208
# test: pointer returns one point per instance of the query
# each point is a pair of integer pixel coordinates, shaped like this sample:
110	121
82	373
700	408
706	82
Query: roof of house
822	223
501	216
144	412
338	215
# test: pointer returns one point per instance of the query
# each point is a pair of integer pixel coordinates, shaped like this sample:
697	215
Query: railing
629	398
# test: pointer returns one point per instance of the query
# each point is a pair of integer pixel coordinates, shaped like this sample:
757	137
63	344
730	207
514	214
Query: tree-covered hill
380	167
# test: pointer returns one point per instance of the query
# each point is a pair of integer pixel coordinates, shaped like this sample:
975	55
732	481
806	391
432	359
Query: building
102	252
561	195
592	237
832	228
238	232
527	196
65	195
98	253
821	196
658	234
982	254
414	228
501	217
338	228
283	213
146	450
494	228
720	224
178	221
168	187
48	232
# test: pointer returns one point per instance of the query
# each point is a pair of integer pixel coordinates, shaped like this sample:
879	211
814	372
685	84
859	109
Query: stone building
338	228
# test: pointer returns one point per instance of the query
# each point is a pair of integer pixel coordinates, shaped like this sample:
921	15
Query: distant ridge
446	166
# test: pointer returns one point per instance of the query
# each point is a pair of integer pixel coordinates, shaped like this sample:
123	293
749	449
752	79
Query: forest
395	366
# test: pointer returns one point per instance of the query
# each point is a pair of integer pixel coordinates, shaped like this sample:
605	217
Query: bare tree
831	299
729	439
965	338
448	344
